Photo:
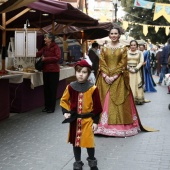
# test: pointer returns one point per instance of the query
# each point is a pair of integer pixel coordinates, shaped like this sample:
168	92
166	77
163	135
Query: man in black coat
94	57
164	62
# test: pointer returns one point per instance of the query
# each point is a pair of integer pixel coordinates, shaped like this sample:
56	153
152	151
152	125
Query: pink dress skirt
118	130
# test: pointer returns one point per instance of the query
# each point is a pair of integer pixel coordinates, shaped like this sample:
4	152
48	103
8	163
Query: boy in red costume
81	108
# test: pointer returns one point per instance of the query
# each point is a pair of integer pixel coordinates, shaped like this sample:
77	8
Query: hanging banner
162	10
145	29
157	28
125	25
143	4
167	31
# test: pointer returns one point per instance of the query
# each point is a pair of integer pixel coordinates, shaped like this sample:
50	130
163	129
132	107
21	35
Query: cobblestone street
37	141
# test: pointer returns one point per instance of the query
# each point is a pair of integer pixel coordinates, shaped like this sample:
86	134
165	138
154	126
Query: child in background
81	108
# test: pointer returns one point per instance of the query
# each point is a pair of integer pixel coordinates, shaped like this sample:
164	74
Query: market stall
28	95
80	34
4	98
22	20
5	81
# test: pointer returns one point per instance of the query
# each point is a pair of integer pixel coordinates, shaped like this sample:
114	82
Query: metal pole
115	5
115	11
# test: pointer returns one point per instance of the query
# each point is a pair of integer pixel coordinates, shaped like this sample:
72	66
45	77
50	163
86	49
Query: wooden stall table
29	94
4	98
5	93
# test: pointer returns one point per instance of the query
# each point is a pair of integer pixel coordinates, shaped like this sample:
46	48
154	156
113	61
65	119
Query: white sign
19	43
25	43
31	43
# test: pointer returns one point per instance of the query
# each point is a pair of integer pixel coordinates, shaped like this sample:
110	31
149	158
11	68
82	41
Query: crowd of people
105	105
108	106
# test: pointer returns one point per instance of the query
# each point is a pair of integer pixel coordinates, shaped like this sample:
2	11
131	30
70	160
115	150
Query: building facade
104	10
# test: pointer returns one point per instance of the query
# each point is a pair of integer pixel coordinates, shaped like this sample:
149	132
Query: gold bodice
113	60
135	59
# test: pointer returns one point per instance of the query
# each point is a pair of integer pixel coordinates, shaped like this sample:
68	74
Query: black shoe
50	111
92	163
45	110
78	165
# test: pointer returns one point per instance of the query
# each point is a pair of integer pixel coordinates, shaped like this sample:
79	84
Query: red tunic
81	132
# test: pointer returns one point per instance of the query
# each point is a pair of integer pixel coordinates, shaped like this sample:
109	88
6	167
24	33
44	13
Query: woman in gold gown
135	67
119	116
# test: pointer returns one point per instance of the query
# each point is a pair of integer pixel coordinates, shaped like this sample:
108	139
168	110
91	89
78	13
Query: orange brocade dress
119	117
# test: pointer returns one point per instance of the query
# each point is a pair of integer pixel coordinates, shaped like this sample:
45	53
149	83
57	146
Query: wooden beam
58	31
22	29
4	31
78	21
3	39
37	23
43	31
1	27
59	38
12	5
2	1
17	16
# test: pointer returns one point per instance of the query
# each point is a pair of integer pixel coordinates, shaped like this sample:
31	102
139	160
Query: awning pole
3	41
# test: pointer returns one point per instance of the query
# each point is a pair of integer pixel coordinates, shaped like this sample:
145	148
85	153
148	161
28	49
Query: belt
132	66
87	115
74	116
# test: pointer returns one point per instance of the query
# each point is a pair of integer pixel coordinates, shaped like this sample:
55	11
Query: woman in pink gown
119	116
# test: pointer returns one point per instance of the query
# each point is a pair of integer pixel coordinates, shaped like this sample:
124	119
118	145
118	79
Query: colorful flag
162	9
143	4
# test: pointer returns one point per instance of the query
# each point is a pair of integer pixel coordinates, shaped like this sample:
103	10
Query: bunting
145	27
162	10
125	25
145	30
156	28
143	4
167	31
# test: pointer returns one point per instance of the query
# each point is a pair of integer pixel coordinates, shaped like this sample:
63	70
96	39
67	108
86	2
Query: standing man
158	56
153	60
164	62
94	57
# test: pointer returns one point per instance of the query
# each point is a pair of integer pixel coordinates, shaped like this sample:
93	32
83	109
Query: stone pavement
37	141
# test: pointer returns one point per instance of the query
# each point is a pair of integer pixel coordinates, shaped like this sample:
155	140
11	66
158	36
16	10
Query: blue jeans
164	70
